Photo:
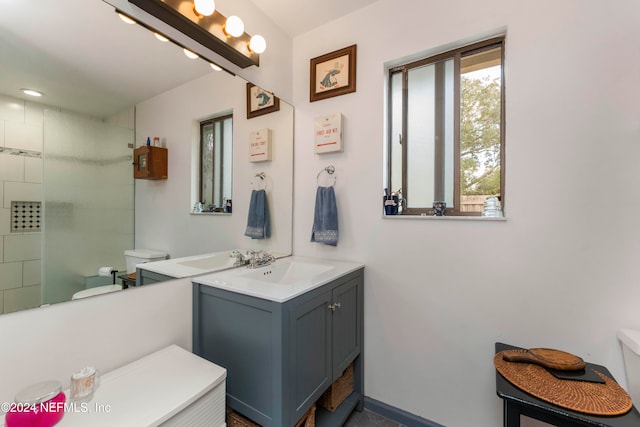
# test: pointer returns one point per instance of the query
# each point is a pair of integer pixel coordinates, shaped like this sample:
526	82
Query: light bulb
126	19
32	92
215	67
204	7
190	54
257	44
161	37
234	26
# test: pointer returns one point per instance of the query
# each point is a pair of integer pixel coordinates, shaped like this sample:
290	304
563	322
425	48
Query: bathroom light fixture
257	44
161	37
190	54
233	26
204	7
126	19
31	92
209	31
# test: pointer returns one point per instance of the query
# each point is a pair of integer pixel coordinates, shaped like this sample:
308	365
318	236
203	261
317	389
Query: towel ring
330	171
259	184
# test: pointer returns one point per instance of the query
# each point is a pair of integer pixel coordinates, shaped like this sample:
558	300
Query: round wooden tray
608	399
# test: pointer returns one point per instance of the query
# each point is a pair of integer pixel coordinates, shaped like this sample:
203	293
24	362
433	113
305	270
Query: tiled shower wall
21	178
21	125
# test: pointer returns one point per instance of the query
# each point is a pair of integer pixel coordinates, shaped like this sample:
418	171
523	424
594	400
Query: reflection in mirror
216	148
87	178
88	202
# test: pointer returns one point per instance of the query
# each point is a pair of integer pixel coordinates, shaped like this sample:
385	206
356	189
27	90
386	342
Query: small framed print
333	74
260	101
328	133
260	145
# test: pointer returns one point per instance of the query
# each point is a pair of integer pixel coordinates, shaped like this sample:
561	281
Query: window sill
445	218
210	213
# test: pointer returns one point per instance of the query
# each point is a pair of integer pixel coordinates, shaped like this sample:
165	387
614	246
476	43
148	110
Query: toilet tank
141	256
631	353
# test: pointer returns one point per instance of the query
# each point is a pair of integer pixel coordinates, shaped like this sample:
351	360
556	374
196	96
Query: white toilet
98	290
631	353
141	256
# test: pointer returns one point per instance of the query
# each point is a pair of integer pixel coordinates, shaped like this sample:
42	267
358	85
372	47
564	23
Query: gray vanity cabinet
146	277
281	357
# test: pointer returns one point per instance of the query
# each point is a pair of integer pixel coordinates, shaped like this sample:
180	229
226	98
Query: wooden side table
517	402
127	280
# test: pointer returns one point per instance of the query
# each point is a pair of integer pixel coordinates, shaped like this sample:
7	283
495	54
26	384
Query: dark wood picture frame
260	101
333	74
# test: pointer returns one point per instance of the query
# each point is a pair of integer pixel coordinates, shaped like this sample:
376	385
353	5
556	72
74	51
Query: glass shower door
88	202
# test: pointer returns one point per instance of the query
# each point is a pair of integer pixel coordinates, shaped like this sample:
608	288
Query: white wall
560	272
106	332
163	208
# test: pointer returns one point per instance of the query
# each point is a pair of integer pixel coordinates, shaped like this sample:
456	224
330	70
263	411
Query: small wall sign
260	145
328	133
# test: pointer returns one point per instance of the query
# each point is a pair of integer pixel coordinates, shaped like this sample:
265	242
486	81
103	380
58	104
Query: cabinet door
141	162
345	331
310	352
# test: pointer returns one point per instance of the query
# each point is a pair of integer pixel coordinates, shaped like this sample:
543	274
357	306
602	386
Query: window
446	130
216	138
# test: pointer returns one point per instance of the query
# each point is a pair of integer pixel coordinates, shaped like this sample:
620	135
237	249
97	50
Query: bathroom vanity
284	333
190	266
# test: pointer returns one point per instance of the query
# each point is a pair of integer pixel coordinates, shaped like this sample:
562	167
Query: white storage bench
171	387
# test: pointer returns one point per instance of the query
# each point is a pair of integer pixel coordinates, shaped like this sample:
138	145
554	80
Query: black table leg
511	414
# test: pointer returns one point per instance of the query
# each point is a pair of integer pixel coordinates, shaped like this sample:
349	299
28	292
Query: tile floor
369	419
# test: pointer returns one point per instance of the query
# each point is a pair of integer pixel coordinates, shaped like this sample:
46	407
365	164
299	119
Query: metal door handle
334	306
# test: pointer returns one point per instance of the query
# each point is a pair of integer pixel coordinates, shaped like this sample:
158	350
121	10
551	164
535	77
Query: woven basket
308	419
608	399
338	391
234	419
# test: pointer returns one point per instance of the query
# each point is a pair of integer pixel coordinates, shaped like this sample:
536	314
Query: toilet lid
98	290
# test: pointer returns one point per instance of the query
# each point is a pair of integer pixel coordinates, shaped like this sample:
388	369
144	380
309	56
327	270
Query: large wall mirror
68	201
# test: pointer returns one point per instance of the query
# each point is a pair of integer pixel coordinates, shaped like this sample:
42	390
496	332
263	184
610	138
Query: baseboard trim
398	415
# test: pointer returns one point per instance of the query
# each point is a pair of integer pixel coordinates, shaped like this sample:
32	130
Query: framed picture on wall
333	74
260	101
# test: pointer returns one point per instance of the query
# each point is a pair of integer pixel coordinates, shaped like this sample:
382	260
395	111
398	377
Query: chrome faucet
240	259
259	259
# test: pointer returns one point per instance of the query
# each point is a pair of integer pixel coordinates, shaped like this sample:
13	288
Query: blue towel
325	220
258	224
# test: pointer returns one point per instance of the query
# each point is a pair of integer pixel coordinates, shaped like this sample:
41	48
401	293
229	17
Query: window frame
455	54
220	183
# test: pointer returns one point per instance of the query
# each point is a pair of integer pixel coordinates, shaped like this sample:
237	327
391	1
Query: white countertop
194	265
187	266
146	392
247	281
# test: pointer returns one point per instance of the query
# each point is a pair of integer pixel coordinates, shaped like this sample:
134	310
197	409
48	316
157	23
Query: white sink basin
192	265
281	281
286	272
210	262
